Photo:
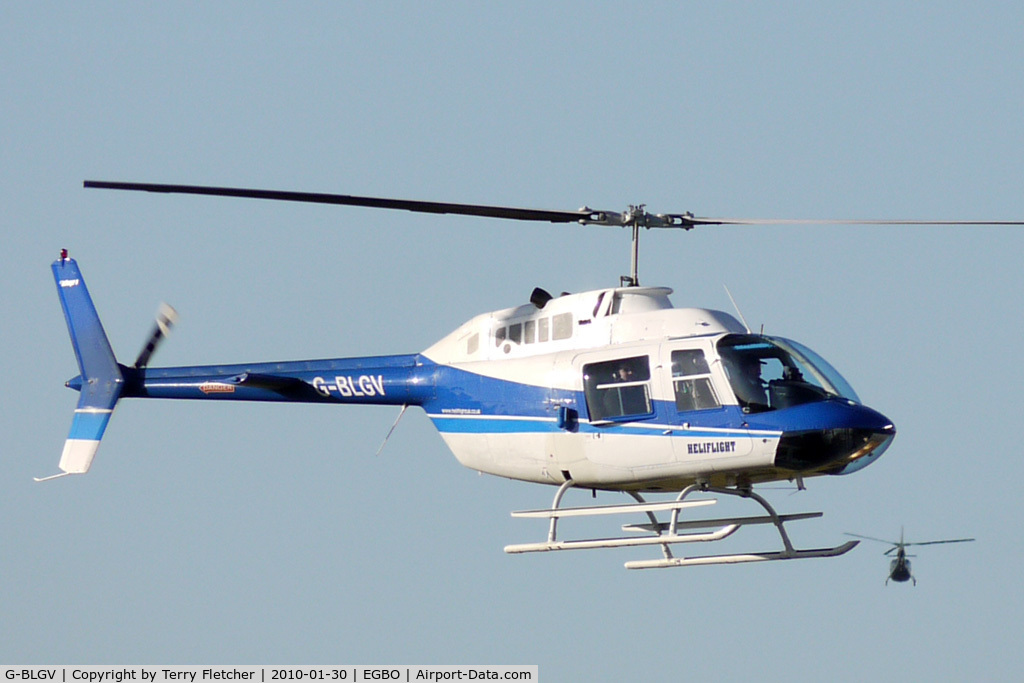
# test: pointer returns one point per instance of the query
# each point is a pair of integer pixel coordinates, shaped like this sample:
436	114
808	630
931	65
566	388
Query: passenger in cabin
625	400
624	373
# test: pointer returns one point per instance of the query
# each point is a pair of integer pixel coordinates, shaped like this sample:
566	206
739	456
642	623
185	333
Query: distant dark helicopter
899	568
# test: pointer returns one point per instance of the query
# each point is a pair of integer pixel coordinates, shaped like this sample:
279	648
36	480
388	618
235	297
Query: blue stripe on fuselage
467	402
479	424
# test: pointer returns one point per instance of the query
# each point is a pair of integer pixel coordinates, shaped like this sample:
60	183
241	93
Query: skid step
585	544
551	513
706	523
737	559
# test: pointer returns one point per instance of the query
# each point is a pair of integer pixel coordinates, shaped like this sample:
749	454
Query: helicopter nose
849	438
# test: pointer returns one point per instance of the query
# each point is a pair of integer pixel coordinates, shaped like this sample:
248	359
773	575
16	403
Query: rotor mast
632	218
636	217
634	276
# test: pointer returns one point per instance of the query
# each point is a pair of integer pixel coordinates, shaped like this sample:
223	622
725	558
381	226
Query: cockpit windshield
770	373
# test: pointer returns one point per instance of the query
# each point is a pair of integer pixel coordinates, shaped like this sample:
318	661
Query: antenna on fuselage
738	311
405	406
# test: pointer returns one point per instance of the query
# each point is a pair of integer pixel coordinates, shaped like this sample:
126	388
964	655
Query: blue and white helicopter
612	390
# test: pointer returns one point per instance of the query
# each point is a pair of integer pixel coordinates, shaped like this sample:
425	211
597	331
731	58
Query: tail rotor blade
166	317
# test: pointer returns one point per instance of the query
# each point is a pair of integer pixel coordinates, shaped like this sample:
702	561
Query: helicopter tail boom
378	380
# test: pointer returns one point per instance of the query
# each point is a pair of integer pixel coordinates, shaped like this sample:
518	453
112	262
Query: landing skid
668	533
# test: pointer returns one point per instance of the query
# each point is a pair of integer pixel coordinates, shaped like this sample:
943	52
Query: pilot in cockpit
749	386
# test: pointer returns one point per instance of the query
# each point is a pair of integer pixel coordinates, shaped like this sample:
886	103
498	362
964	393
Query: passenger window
542	329
561	326
618	388
515	332
499	336
530	331
691	381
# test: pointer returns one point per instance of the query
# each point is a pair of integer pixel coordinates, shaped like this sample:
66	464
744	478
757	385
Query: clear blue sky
271	534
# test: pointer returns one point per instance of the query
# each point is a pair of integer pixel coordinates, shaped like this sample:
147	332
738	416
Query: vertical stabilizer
101	379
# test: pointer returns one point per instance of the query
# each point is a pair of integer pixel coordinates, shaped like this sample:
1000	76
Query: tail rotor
166	317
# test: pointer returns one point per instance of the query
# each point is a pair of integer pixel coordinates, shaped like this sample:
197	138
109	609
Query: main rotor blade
351	200
838	221
633	216
954	540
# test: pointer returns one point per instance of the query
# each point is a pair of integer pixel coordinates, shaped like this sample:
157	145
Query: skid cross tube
668	533
742	493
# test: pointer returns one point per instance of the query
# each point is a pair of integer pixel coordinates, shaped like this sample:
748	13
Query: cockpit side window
691	381
618	388
744	358
767	373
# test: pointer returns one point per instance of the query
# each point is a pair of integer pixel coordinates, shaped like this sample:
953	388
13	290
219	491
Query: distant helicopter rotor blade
952	540
872	538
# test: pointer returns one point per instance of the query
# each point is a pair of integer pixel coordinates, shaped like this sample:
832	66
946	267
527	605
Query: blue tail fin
101	379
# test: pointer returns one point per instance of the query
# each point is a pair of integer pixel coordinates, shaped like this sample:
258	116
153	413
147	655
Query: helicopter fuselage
615	389
899	568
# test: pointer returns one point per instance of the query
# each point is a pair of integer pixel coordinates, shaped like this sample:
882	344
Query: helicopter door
699	391
618	431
